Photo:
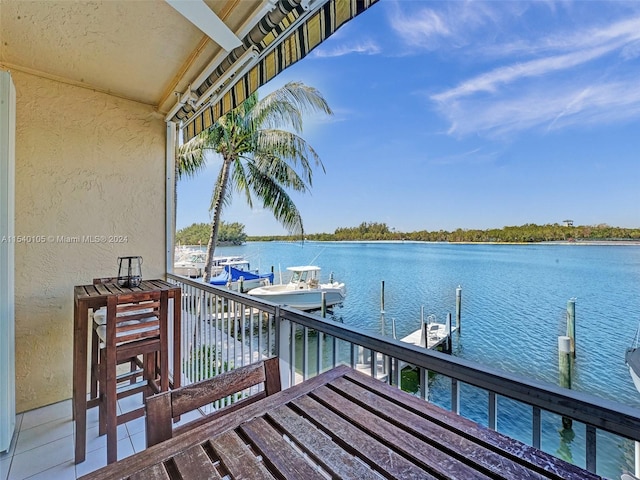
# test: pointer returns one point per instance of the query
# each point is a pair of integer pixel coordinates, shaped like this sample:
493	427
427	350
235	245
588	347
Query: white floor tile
188	417
14	440
43	434
98	458
139	441
130	403
136	426
65	471
41	458
5	463
95	442
46	414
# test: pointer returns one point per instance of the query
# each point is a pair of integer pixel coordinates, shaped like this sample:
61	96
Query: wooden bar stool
98	318
136	326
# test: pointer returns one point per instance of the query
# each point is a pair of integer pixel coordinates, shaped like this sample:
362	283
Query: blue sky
466	115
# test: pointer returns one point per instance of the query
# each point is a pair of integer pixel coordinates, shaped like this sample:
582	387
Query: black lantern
129	271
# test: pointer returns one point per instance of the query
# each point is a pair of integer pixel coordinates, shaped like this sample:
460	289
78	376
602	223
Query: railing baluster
396	372
319	343
455	396
424	383
591	448
305	353
373	363
353	355
292	353
493	411
334	344
537	427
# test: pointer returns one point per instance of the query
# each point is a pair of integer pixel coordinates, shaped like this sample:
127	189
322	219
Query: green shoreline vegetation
372	231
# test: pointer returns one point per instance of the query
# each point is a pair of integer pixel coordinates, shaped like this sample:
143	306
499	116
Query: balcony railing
224	329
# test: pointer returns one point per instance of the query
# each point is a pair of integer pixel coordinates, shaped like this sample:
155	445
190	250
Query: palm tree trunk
215	221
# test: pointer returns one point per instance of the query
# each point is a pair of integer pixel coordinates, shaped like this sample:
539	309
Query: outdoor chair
164	407
136	326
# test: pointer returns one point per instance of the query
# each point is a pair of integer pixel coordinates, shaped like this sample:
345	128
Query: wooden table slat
154	472
379	456
236	457
503	446
277	452
413	425
318	446
195	463
428	456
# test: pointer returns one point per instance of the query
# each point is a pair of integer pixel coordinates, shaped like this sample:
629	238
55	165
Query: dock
431	336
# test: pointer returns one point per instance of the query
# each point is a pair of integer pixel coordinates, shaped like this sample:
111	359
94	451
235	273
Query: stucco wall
87	165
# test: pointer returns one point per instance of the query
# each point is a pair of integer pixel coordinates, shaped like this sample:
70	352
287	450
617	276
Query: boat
233	270
632	359
191	263
304	290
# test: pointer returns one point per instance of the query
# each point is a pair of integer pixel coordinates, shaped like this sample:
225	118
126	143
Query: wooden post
564	370
393	328
382	298
458	306
323	308
241	284
571	324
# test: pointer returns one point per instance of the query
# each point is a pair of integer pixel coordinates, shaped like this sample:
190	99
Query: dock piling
323	308
571	325
382	298
564	370
458	307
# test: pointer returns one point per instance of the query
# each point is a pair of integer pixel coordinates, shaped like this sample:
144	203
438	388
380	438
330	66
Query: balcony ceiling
143	50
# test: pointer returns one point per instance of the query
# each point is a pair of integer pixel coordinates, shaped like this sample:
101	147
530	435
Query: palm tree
262	155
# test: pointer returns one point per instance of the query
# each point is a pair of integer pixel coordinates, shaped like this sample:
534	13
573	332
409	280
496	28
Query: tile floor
43	443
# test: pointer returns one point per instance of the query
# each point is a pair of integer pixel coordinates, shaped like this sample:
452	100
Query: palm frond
276	199
287	105
290	148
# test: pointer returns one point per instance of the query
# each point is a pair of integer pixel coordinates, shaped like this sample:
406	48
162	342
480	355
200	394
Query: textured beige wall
87	164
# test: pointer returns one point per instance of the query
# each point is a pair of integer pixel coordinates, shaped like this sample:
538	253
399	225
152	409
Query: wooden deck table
94	297
341	424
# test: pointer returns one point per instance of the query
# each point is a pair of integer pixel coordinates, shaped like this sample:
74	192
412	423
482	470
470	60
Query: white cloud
558	79
489	82
546	108
451	26
366	47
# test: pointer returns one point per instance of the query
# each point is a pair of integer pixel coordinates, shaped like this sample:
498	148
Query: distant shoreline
551	242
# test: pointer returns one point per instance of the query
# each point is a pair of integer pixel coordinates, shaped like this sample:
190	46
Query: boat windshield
302	276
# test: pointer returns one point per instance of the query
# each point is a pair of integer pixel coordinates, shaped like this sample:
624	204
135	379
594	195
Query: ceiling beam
198	13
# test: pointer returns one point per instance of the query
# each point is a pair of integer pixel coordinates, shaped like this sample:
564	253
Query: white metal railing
244	329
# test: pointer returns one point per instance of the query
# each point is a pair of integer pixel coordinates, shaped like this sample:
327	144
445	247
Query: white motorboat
191	264
304	290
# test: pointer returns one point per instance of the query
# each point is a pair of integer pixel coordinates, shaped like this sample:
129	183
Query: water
514	300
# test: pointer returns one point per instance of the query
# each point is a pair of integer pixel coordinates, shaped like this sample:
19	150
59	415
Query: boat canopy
233	274
307	268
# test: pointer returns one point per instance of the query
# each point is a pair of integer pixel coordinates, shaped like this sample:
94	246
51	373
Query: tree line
528	233
198	234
